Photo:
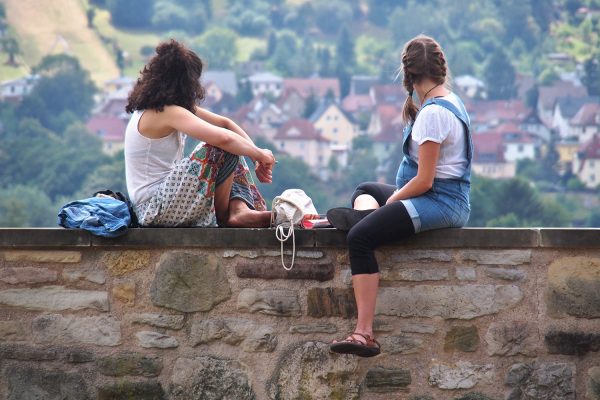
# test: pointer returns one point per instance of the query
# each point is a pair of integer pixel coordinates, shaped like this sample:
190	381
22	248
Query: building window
520	148
591	163
335	130
282	145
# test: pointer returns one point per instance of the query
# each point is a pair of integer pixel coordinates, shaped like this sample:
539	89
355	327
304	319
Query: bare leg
241	216
222	193
365	202
365	293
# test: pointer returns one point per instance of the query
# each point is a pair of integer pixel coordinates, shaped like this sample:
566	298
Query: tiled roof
591	149
588	115
298	129
313	86
355	102
549	94
502	110
570	106
107	127
488	147
390	94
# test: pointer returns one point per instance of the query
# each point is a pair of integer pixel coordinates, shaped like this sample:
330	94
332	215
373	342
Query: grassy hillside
41	27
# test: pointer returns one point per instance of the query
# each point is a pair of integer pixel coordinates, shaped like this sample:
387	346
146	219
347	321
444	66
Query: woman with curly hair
431	190
210	187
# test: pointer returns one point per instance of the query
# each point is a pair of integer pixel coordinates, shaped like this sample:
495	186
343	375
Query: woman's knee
358	241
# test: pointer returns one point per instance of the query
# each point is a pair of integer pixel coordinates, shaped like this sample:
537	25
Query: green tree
591	78
135	14
11	47
344	49
330	15
26	206
380	10
218	47
500	75
64	93
284	57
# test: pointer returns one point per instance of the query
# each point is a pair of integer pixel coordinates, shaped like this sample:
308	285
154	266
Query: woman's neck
428	89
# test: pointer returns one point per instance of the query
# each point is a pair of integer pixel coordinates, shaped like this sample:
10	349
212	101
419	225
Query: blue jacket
101	216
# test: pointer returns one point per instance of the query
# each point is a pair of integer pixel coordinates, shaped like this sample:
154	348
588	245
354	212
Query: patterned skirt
186	196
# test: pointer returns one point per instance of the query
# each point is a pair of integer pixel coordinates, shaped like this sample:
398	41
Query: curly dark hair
171	77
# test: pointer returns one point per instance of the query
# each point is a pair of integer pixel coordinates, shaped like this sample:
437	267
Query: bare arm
221	121
429	153
180	119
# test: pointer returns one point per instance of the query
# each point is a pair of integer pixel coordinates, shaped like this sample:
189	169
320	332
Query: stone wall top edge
13	238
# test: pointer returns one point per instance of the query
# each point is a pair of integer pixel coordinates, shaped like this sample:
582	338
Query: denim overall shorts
446	204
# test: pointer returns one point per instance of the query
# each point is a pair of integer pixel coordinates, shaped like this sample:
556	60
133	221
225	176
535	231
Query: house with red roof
587	163
565	110
586	123
385	128
334	124
292	103
487	115
394	94
299	138
517	144
318	87
549	94
110	129
488	157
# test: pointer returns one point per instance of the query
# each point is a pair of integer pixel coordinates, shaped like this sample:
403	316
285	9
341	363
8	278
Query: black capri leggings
386	224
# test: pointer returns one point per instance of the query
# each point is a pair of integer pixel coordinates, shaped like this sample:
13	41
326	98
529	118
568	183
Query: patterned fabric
186	196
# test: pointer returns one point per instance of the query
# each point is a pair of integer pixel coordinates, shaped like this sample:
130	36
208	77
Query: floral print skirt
186	196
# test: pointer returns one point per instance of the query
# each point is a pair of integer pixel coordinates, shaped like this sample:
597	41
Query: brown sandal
351	345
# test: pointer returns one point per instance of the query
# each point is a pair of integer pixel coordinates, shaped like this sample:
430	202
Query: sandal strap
369	340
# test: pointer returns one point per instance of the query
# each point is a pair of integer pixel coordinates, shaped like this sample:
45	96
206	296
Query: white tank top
148	161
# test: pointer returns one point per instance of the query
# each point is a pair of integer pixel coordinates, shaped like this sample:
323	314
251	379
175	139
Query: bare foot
240	216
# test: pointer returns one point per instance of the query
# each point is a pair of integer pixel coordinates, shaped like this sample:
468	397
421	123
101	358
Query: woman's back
148	161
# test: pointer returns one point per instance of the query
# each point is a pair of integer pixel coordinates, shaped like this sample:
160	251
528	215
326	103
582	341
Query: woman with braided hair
432	183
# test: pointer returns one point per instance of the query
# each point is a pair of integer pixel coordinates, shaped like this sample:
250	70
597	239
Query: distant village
306	118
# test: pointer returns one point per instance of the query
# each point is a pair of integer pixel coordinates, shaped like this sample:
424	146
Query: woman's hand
264	166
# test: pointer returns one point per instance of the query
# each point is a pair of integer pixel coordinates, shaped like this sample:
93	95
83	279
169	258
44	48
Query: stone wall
211	314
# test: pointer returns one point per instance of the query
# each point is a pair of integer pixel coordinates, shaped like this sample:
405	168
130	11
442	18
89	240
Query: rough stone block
124	291
498	257
593	383
545	381
234	331
401	344
417	328
466	274
282	303
414	274
317	272
571	343
168	321
262	339
84	274
574	287
12	331
331	302
121	263
69	329
460	302
28	275
188	282
157	340
128	363
146	390
505	273
40	256
511	338
319	327
24	352
78	356
462	375
253	254
383	380
422	255
308	370
29	383
209	378
462	338
54	298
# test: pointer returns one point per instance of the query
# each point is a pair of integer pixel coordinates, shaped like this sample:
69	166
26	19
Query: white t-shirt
438	124
148	161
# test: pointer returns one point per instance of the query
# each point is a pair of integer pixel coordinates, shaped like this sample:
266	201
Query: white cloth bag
288	209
